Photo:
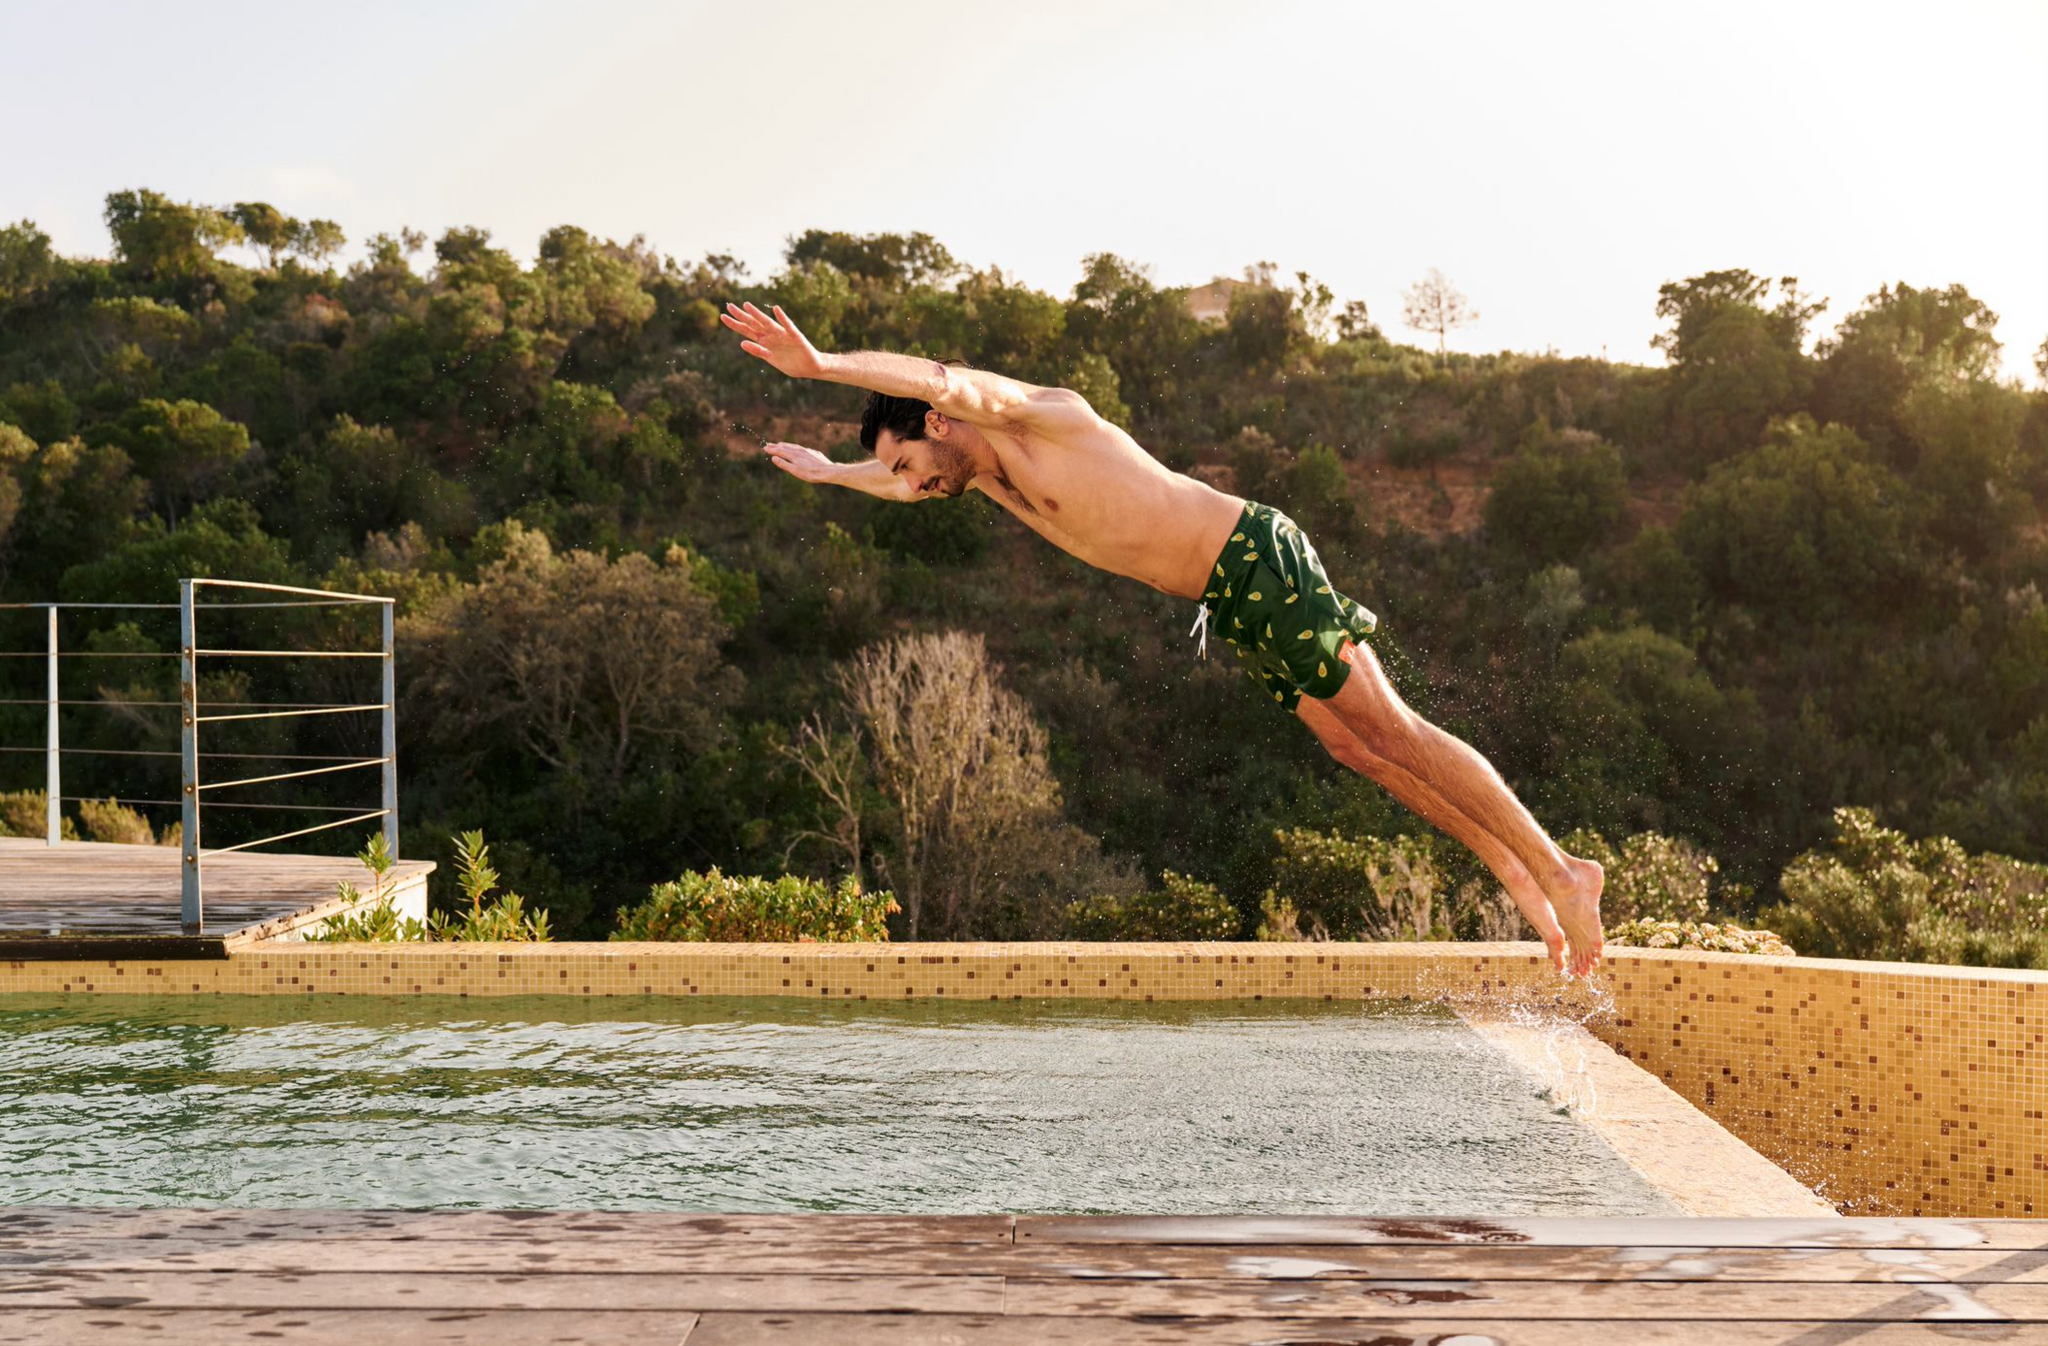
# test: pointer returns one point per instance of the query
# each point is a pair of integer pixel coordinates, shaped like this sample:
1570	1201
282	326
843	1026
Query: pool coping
1696	1163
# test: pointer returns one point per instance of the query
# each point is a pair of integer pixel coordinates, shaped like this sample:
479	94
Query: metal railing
194	790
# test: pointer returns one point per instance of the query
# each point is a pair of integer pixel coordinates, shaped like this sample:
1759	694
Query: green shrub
23	814
1876	893
1183	908
111	821
504	919
1656	934
742	908
1560	502
1330	886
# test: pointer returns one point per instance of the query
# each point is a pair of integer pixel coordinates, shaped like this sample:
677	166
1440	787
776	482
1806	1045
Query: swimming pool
650	1103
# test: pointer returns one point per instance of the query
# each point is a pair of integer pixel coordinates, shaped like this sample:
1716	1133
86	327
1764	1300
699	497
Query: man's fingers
761	317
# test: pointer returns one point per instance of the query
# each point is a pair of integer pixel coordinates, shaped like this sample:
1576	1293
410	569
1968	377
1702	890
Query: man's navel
1052	505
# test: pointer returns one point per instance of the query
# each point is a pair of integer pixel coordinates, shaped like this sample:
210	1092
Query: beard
953	468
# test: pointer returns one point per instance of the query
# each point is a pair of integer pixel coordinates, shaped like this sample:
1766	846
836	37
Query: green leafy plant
1183	908
506	918
372	917
719	907
1877	893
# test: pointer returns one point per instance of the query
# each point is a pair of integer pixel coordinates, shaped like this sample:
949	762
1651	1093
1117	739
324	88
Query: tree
1558	499
317	240
26	262
1902	341
1433	304
977	844
266	227
591	666
159	238
183	447
888	259
1805	527
1354	324
1735	364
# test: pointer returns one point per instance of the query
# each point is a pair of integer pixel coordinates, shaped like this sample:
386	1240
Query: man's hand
775	340
802	463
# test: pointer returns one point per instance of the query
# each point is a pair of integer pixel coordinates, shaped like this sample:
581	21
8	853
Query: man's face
931	465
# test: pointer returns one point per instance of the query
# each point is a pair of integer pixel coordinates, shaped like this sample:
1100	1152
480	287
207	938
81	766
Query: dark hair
902	417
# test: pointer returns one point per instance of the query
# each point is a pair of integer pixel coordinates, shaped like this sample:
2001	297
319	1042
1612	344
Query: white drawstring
1202	625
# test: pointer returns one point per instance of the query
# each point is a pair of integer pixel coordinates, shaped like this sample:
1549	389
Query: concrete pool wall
1891	1088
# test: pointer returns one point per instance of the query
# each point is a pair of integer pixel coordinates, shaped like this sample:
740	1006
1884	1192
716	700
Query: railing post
53	773
390	729
191	909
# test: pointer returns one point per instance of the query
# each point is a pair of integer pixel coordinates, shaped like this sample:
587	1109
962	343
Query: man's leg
1514	876
1368	706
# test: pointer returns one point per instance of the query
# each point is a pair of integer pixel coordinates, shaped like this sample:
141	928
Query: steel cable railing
193	800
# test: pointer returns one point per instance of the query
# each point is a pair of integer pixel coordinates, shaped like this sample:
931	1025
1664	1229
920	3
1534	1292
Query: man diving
1084	485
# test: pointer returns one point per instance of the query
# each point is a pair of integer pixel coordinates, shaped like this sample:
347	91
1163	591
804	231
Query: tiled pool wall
1890	1088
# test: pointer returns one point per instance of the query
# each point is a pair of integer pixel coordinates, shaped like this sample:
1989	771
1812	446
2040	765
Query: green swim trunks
1270	600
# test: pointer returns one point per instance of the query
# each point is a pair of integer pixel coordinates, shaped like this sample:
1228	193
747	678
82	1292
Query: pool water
780	1105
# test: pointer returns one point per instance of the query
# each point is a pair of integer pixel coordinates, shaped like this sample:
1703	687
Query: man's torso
1097	495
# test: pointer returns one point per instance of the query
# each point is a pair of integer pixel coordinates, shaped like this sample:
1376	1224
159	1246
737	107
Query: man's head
919	443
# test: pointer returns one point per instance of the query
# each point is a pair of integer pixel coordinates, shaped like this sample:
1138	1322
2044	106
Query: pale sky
1557	161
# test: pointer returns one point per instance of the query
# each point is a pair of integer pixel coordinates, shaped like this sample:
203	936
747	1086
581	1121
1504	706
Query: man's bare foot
1578	910
1536	909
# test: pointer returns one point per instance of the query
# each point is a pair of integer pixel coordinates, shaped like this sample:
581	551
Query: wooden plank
1587	1300
91	890
1593	1232
753	1329
1435	1301
666	1227
1519	1262
530	1289
1262	1262
385	1327
668	1248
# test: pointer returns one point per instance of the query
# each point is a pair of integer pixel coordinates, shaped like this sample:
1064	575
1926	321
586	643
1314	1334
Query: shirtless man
1086	487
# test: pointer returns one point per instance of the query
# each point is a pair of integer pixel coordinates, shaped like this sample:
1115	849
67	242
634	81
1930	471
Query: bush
23	814
111	821
505	919
1329	886
1875	893
1648	934
1183	908
947	535
1560	502
739	908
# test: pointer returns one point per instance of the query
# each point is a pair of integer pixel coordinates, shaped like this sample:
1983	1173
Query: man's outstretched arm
978	396
871	476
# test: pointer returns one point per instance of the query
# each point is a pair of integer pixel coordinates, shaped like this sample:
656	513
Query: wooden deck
85	899
508	1278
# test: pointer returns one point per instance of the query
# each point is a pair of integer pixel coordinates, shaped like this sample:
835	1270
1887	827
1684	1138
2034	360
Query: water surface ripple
783	1105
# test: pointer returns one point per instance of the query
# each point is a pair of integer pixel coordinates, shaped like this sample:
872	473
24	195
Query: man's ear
935	423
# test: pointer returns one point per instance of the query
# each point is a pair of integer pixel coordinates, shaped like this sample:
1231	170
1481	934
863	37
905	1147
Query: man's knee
1372	710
